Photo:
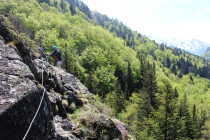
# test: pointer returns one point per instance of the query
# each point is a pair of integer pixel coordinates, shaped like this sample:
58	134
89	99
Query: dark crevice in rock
8	37
61	110
27	59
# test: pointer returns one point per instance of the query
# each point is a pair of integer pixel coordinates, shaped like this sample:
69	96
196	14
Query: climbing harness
43	94
42	53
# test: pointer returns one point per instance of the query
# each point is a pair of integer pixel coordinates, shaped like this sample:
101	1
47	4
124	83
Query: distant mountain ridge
193	46
207	53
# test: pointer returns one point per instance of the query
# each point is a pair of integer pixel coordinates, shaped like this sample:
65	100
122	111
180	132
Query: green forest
160	93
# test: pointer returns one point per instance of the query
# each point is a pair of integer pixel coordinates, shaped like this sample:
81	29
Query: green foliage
92	58
116	101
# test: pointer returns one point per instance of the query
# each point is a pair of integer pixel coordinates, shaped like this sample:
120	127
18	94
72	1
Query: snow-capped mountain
207	53
193	46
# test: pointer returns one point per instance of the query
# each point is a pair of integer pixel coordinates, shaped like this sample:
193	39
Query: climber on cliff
56	55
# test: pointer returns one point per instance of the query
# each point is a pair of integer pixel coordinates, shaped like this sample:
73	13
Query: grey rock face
19	99
15	82
63	80
20	95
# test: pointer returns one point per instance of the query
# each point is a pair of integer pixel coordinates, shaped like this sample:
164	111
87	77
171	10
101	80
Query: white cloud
182	31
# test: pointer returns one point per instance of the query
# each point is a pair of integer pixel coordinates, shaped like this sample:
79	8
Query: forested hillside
159	92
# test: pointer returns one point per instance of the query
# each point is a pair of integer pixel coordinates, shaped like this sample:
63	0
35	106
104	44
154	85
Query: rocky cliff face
68	111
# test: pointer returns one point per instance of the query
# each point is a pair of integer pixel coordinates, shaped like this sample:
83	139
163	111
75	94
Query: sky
160	19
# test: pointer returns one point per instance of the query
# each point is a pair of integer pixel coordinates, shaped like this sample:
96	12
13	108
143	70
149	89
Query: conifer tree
150	83
188	130
121	78
170	121
142	71
130	83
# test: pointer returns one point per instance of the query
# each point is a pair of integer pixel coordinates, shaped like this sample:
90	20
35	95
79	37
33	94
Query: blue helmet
54	47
